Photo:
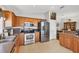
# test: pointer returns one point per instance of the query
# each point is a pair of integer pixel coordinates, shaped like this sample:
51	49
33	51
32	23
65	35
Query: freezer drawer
44	38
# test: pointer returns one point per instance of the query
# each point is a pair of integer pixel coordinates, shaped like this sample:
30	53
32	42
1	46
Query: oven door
29	38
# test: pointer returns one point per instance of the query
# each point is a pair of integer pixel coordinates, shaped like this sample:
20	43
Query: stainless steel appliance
29	38
44	31
29	34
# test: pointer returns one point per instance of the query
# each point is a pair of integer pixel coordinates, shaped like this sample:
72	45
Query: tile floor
52	46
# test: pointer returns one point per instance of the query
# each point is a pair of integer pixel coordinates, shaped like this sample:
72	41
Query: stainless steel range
29	38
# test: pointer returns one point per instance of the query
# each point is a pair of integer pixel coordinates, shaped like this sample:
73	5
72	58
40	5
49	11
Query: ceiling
41	9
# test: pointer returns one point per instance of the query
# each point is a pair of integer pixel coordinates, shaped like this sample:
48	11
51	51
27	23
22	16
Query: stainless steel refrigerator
44	31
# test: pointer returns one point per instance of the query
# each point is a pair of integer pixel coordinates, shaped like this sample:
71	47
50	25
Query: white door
53	29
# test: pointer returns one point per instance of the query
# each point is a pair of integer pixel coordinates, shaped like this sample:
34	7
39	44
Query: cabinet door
14	21
17	41
37	37
76	45
67	40
61	39
72	43
69	37
6	14
21	39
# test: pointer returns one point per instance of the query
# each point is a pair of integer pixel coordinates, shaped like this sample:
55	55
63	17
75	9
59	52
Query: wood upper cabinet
18	20
70	26
78	45
14	21
21	20
10	17
6	14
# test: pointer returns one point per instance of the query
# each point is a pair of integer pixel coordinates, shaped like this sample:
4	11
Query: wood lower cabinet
19	41
76	44
69	41
72	43
61	39
37	36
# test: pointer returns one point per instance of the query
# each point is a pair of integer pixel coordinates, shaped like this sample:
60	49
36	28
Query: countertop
6	47
73	33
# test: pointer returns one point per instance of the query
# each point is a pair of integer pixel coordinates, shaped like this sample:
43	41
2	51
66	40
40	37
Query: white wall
53	29
63	18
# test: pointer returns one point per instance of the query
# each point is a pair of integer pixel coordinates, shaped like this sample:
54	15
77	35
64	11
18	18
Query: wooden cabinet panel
6	15
18	42
61	39
76	44
69	41
21	20
14	21
10	16
18	20
72	43
37	39
20	39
